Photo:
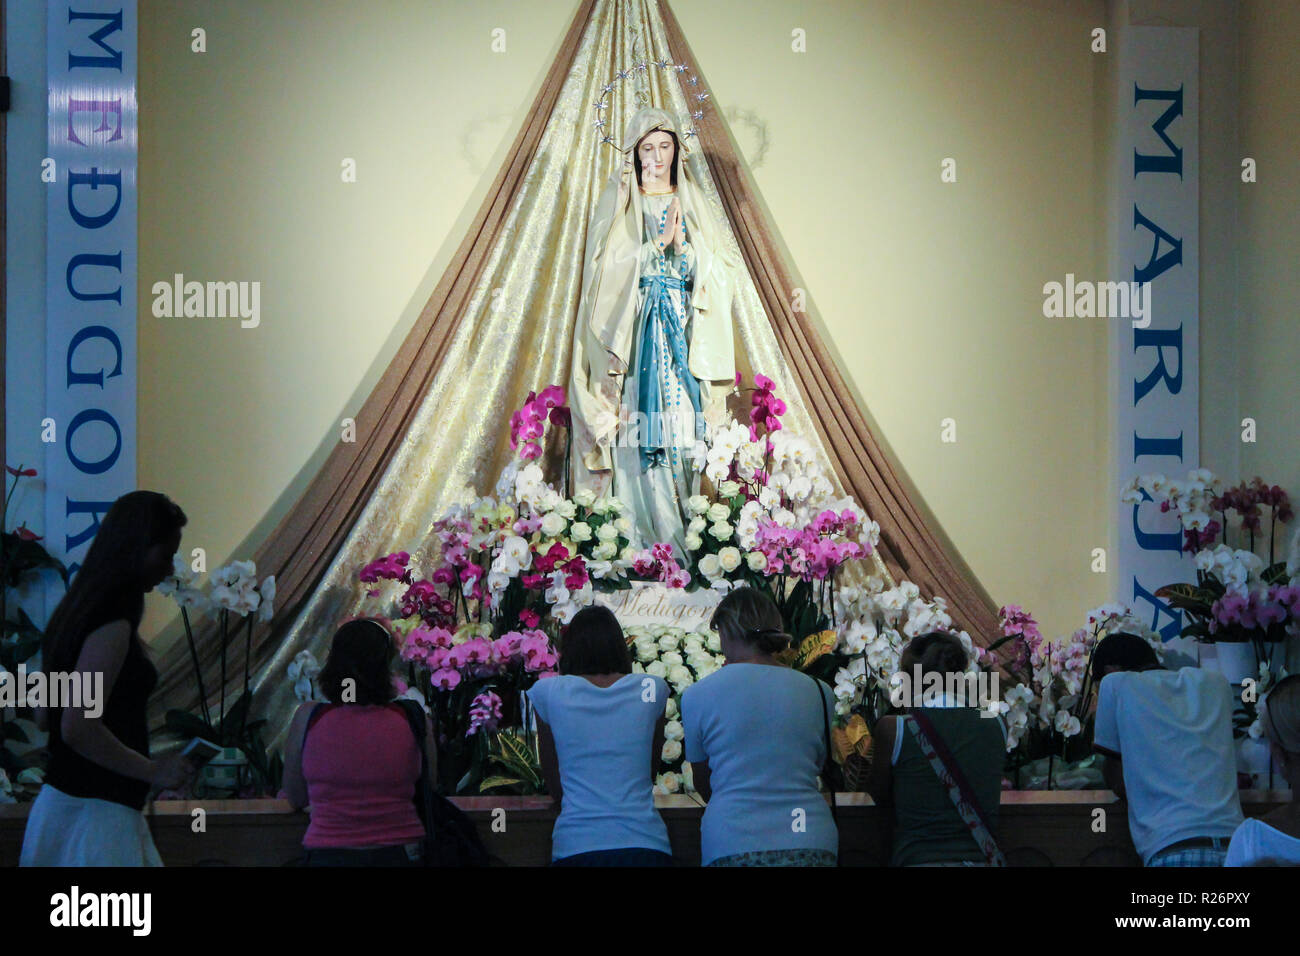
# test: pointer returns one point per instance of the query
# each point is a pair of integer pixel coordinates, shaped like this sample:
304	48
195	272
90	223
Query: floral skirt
778	858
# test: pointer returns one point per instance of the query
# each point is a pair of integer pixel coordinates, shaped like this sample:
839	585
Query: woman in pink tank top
355	760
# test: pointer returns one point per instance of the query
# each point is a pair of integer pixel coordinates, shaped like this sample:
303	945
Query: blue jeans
633	856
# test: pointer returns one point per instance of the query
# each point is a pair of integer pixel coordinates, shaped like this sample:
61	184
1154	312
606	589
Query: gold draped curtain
500	324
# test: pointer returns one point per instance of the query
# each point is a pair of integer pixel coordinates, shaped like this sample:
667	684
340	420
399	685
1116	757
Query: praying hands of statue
674	228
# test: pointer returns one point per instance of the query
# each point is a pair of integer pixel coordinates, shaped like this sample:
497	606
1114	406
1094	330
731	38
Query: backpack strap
317	713
424	795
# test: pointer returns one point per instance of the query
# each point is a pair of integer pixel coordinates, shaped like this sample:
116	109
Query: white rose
699	661
671	710
647	651
680	677
718	513
553	525
580	531
714	642
694	542
729	489
607	532
657	669
582	497
671	659
697	504
710	566
672	750
756	560
670	642
721	530
605	552
668	783
729	558
696	525
624	525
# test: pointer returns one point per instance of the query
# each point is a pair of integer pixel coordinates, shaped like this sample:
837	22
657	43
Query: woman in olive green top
927	828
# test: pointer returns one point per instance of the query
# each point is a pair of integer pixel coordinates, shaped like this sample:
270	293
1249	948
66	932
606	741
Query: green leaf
23	557
1002	640
515	754
1275	574
13	732
1188	597
492	782
187	725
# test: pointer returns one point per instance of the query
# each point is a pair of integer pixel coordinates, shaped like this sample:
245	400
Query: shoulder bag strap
955	783
826	737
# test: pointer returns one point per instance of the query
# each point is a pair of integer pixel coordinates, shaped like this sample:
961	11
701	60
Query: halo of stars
602	105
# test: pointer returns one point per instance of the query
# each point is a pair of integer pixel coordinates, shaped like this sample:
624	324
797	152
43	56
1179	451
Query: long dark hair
677	154
362	652
111	582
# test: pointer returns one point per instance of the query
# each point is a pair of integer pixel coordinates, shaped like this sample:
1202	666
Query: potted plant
22	559
238	601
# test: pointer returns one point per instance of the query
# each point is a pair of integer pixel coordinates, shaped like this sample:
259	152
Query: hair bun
768	639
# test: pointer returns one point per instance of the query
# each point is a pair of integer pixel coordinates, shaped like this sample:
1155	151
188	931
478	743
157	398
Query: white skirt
83	831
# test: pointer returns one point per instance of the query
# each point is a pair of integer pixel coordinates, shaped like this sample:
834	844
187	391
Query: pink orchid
552	396
444	679
484	713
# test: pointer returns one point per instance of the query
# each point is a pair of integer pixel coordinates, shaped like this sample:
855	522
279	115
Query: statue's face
655	153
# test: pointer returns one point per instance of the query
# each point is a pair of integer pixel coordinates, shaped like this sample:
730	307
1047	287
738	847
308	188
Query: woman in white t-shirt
1274	839
600	729
756	734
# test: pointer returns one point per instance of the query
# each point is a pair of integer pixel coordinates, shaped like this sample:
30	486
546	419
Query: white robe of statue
653	351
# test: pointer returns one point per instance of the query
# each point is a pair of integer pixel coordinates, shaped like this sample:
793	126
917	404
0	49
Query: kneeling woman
355	760
601	728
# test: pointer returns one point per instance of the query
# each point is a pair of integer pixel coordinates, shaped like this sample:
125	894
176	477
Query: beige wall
930	293
1269	353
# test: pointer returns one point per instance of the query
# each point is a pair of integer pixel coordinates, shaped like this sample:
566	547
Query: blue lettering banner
1155	362
90	325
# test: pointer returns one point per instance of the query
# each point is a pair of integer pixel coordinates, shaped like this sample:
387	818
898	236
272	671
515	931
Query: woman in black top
100	773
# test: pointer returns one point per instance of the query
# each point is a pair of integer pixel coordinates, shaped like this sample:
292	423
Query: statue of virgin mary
653	352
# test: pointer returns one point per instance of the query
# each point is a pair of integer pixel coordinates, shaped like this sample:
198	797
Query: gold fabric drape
500	324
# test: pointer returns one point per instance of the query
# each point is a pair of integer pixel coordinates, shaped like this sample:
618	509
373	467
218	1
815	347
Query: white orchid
303	670
266	609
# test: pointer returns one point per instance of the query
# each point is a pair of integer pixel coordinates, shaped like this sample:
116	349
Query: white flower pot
1237	661
221	775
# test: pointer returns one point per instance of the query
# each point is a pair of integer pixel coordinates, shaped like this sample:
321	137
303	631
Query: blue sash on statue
657	312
